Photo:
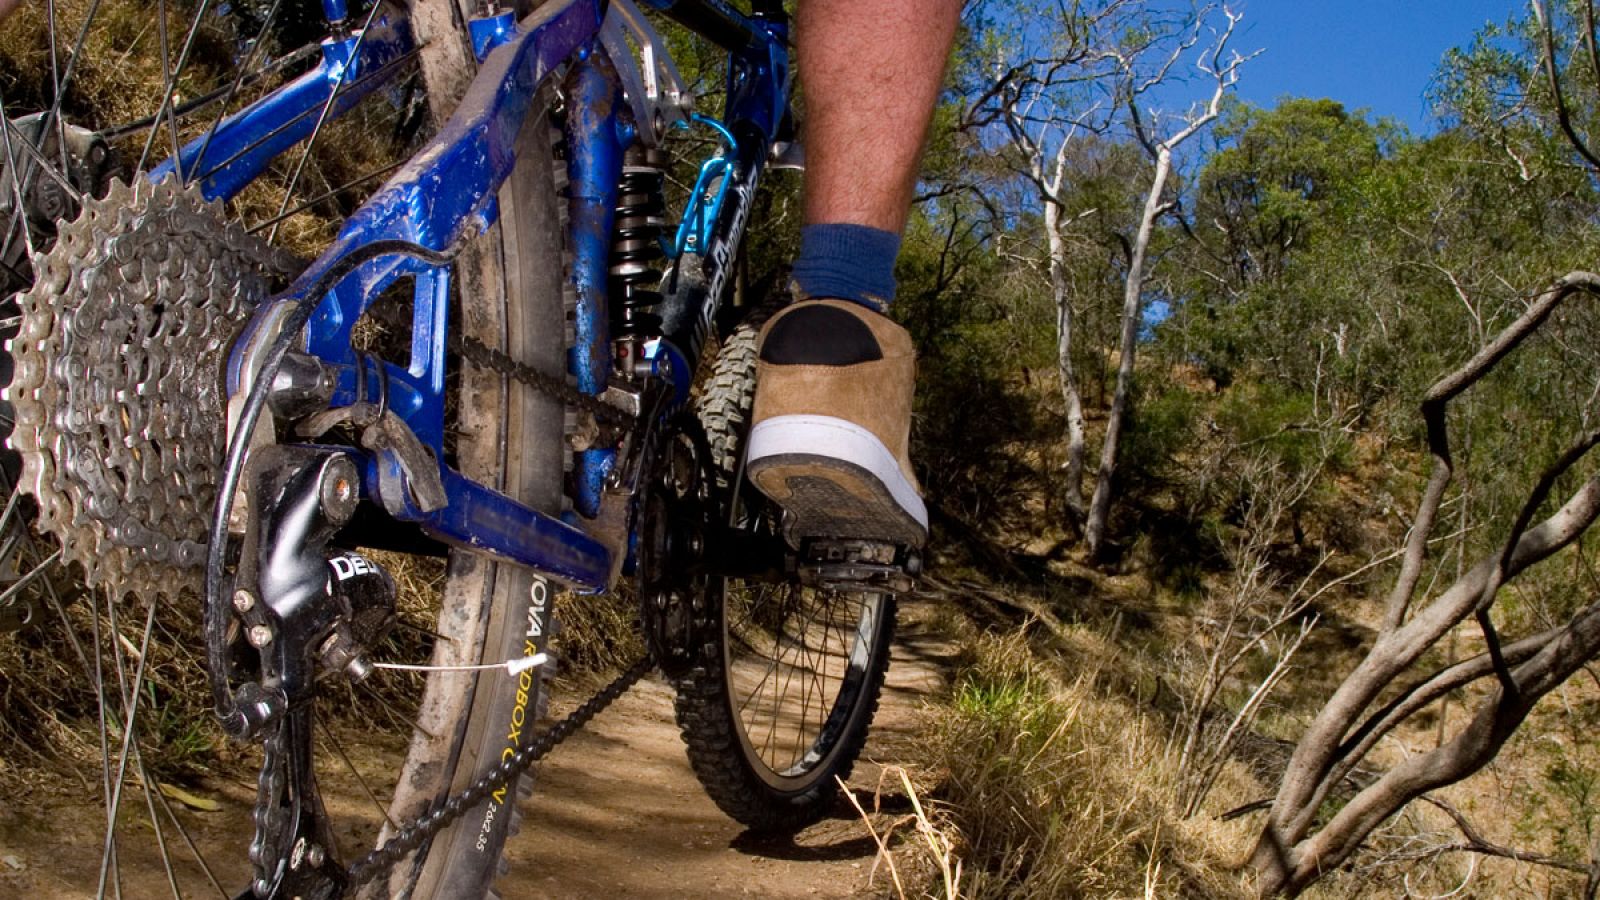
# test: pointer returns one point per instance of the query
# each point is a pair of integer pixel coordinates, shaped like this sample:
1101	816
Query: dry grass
1059	767
597	633
929	856
49	690
1056	789
117	77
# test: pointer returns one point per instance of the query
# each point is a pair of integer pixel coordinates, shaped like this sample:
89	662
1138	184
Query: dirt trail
617	813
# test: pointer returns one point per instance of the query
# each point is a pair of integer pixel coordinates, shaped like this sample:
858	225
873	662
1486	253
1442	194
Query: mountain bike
506	357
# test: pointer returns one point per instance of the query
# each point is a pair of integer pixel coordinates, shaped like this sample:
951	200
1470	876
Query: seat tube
596	136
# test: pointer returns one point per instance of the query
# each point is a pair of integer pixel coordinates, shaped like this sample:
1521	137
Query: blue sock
848	262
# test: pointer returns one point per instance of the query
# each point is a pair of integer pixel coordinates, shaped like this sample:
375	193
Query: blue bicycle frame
411	228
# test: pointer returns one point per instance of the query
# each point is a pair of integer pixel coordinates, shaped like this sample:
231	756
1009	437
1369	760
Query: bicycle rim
133	660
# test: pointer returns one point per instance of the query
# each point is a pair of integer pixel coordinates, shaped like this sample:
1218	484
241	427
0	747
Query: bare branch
1433	413
1496	719
1344	732
1475	842
1420	696
1563	112
1305	783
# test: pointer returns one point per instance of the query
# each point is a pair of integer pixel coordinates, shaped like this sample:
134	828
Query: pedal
853	565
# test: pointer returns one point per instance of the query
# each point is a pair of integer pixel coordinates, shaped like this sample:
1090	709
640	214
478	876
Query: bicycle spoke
166	86
291	123
55	78
131	697
801	668
182	110
819	691
326	195
108	854
52	116
84	661
395	719
17	216
40	163
786	714
150	789
23	582
170	82
322	119
194	849
758	689
238	81
781	693
10	511
809	688
338	750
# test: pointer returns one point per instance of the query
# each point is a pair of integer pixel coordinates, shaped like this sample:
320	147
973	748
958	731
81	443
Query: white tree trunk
1069	378
1132	296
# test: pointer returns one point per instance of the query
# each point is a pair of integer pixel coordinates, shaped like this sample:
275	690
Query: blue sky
1377	54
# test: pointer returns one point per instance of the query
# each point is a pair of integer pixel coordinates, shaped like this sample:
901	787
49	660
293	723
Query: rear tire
511	438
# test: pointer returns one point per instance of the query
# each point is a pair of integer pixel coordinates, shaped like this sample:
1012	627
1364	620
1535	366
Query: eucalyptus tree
1136	78
1052	92
1036	85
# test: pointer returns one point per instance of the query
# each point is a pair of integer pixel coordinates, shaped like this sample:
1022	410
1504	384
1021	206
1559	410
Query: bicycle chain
554	386
265	851
414	835
440	817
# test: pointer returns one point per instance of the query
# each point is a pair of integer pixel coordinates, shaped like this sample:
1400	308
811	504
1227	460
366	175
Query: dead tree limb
1289	855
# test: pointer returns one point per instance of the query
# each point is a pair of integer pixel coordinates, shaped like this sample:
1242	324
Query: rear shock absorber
635	247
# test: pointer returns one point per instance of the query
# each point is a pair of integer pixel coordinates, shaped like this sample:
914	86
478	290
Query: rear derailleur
303	610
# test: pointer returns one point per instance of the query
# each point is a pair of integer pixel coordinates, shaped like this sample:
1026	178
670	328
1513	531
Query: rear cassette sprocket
118	379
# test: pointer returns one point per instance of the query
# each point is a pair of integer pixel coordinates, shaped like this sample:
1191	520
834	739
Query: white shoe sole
836	479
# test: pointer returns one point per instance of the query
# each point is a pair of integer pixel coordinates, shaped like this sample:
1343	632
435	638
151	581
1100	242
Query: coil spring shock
633	278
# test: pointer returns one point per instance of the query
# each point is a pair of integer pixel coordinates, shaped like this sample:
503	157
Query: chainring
118	379
679	509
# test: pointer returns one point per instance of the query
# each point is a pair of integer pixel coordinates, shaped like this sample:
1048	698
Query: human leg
871	71
833	402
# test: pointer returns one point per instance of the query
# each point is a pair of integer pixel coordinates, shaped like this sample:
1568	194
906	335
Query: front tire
777	709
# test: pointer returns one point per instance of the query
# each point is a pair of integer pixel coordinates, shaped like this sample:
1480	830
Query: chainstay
413	836
555	386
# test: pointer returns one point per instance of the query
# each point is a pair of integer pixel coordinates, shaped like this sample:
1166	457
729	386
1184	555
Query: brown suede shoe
832	421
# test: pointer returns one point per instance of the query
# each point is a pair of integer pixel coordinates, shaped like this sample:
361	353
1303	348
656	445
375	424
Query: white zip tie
512	666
